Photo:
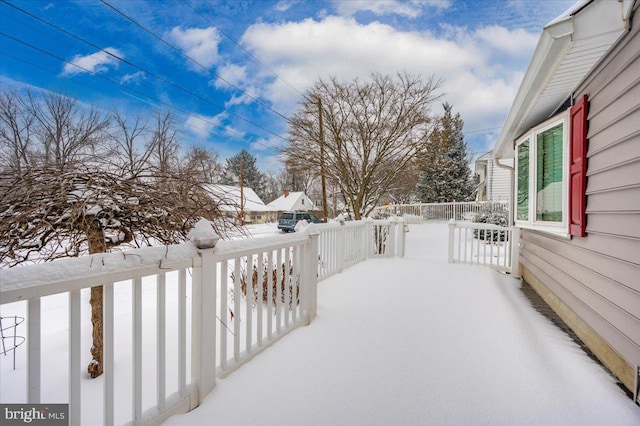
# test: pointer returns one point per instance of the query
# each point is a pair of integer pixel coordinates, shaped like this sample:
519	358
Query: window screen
549	175
523	181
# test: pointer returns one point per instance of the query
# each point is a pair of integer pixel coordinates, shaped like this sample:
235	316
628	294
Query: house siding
499	182
595	281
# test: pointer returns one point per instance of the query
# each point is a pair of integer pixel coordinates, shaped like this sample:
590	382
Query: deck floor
419	341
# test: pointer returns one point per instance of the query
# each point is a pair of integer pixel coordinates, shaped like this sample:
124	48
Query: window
541	176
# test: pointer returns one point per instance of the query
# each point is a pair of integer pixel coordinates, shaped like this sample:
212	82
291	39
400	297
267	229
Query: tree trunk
97	244
95	367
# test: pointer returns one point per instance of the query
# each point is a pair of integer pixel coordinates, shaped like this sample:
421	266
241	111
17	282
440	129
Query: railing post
368	237
341	240
311	281
402	237
204	324
452	227
204	312
392	243
515	251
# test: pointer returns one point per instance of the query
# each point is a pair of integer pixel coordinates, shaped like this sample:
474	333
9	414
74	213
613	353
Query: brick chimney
286	193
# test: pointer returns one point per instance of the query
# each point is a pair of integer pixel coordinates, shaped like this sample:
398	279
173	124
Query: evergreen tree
445	175
252	177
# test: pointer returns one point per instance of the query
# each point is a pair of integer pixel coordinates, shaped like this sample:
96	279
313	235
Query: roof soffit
567	50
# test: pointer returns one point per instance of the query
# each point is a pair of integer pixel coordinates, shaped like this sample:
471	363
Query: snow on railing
481	243
439	212
175	317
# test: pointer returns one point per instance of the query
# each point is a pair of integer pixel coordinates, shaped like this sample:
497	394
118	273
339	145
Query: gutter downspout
515	232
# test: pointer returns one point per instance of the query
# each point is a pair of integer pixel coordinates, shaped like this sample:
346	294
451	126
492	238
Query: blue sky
231	71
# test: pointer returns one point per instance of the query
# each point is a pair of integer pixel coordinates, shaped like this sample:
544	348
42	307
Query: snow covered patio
416	340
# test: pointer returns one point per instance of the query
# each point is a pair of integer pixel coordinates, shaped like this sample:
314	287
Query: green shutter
549	175
523	181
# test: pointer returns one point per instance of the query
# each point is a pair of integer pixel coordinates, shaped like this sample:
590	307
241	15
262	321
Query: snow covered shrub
500	218
285	285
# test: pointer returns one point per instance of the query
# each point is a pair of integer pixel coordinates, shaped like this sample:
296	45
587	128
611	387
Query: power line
117	57
242	48
148	100
482	130
180	52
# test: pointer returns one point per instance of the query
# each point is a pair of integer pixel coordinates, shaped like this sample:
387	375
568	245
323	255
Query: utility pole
322	172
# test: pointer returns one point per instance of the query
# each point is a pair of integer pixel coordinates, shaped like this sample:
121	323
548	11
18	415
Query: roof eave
549	52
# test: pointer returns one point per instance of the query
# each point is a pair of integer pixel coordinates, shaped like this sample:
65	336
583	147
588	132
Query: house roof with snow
568	48
292	201
231	194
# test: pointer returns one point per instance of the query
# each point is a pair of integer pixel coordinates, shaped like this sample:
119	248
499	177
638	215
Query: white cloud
202	125
284	5
270	144
514	42
411	9
98	62
201	44
478	87
134	78
230	74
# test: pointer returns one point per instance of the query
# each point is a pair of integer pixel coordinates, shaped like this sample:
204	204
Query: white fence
439	212
344	244
191	314
483	244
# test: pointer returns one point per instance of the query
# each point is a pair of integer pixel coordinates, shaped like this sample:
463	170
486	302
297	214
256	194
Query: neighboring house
494	182
254	209
574	132
290	201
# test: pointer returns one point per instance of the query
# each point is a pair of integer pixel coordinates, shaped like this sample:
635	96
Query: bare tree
126	148
65	205
16	132
69	134
372	130
201	164
163	145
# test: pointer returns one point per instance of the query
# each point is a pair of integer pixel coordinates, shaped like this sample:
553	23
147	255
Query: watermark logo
34	414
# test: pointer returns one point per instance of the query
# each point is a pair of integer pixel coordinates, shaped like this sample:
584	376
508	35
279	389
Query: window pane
523	181
549	175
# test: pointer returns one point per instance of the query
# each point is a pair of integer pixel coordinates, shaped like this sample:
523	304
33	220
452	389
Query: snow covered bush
500	218
292	285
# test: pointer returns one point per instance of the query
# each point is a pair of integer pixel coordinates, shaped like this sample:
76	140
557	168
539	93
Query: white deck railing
343	244
223	305
438	212
482	244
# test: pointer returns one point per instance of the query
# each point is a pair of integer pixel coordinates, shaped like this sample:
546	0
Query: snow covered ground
396	341
418	341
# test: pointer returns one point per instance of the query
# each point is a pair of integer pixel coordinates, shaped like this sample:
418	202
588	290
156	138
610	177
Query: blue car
288	220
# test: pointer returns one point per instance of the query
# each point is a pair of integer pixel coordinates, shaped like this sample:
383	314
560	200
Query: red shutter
578	168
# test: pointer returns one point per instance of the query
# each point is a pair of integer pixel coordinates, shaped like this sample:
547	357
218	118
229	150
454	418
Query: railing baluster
260	290
269	294
108	364
224	313
287	286
34	350
236	306
484	252
137	348
182	331
75	358
249	304
279	278
161	339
